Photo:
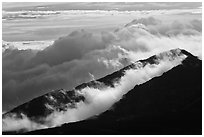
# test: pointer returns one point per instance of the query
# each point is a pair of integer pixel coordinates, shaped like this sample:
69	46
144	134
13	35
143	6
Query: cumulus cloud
98	100
71	47
70	60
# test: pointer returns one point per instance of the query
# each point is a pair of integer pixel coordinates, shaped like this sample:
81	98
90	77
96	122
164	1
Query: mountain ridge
177	111
107	80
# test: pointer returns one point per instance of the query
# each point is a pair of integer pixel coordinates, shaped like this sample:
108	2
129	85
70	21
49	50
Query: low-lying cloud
97	100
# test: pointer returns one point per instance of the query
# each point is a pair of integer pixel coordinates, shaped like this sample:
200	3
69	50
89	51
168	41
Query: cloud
24	124
98	100
26	14
144	21
70	47
193	27
25	82
23	45
69	61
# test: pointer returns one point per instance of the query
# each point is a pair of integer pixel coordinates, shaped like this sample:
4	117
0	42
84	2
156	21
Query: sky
48	46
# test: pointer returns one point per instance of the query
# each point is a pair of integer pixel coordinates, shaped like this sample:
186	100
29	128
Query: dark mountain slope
169	104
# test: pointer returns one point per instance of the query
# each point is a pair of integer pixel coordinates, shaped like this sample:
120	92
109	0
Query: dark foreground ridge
169	104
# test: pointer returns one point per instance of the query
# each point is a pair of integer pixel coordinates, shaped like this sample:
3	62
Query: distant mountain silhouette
168	104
